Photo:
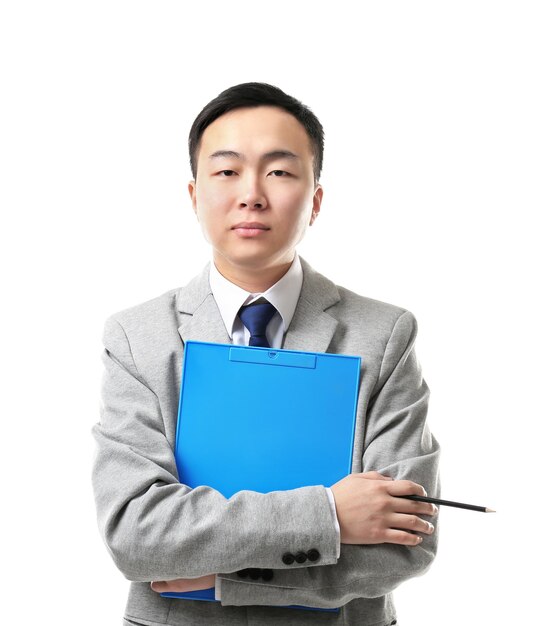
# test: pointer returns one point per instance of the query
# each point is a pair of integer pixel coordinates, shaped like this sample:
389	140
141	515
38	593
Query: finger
401	537
410	523
412	507
175	586
405	488
180	585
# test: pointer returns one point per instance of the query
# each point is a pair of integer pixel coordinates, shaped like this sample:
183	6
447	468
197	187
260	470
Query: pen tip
490	511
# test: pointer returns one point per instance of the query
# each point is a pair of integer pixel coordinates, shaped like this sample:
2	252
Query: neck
250	279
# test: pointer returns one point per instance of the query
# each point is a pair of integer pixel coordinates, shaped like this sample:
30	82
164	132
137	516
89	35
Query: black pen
458	505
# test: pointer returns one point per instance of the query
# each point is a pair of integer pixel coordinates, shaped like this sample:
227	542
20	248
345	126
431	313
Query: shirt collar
284	294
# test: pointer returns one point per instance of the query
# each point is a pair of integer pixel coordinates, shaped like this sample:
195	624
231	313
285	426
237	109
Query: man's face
254	195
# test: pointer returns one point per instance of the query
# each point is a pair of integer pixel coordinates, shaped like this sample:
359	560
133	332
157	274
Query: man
256	155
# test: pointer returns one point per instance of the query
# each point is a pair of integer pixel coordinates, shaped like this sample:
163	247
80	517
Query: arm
206	582
156	528
397	444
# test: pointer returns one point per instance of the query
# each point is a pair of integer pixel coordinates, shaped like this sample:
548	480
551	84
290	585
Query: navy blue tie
255	318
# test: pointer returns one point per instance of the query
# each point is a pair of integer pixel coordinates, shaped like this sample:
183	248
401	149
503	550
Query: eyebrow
267	156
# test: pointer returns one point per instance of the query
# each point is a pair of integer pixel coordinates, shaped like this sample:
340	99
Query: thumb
375	476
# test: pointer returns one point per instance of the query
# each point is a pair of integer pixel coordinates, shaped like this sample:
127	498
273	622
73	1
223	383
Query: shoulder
149	320
158	315
374	322
148	309
354	309
367	326
360	305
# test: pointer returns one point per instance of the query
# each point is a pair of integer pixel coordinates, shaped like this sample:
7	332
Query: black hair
254	95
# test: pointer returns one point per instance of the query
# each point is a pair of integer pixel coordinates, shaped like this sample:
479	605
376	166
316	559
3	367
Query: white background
441	190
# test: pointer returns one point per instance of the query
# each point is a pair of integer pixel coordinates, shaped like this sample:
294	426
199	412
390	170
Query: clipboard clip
264	356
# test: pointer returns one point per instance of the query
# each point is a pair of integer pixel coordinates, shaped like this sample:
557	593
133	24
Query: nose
252	196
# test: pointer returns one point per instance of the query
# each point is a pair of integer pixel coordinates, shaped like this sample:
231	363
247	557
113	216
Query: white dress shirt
284	295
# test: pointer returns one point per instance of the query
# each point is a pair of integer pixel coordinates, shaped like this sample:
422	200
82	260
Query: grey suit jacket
156	528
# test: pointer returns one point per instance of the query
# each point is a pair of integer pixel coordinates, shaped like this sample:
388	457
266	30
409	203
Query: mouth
250	229
250	226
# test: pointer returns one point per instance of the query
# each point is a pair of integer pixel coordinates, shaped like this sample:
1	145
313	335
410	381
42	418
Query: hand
184	584
368	511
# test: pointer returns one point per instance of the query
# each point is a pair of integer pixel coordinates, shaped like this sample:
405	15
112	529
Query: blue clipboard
264	420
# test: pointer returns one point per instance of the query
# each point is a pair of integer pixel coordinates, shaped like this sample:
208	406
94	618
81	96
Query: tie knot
255	318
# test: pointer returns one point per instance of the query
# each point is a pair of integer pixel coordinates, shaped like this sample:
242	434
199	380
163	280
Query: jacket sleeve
156	528
397	444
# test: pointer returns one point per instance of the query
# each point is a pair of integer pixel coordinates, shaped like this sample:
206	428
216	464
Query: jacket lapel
199	314
312	328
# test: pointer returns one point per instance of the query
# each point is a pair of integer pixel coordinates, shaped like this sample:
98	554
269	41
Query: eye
226	173
279	173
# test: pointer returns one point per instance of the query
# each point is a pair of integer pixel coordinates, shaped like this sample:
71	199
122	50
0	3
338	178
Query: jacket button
267	574
242	573
254	573
301	557
288	558
313	555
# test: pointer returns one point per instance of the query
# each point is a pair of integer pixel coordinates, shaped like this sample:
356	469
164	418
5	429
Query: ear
317	199
192	194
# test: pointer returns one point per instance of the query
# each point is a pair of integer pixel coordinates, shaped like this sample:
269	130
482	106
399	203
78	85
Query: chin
257	261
